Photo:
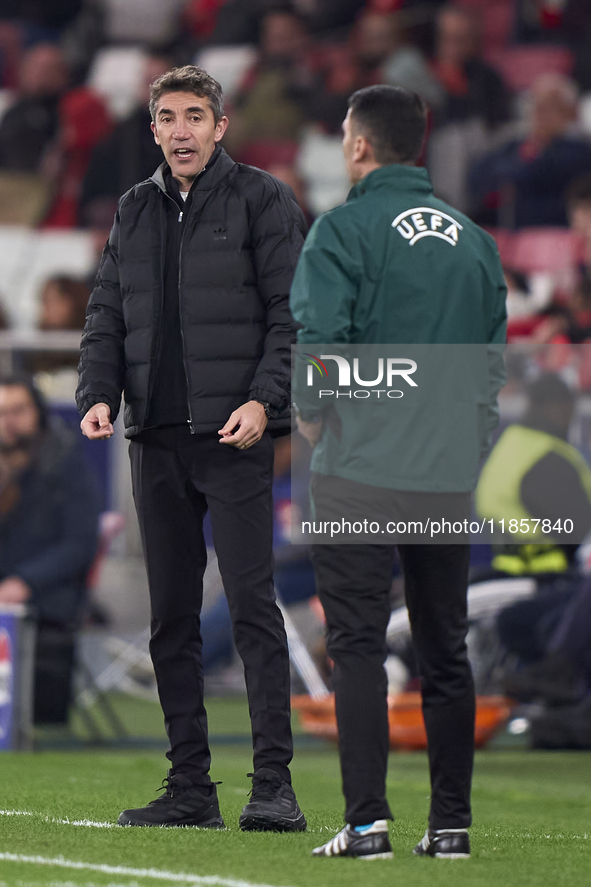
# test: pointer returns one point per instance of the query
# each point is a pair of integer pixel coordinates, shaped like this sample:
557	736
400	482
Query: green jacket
395	265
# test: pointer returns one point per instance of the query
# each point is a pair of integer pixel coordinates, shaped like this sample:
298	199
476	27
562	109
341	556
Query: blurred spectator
472	88
273	102
54	15
377	51
48	534
289	175
550	635
238	21
84	120
578	199
534	473
530	175
538	20
406	66
3	319
63	303
127	156
31	124
475	100
576	23
200	17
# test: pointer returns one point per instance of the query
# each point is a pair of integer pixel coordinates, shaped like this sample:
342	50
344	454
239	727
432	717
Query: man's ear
221	127
153	128
362	149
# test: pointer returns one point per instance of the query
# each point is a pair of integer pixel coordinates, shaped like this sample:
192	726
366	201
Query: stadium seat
30	257
227	64
544	249
520	66
117	74
269	152
504	240
322	167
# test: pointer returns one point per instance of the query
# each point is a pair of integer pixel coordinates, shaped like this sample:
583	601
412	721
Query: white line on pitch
179	877
87	823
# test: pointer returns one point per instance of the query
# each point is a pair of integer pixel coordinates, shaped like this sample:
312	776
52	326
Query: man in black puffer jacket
190	319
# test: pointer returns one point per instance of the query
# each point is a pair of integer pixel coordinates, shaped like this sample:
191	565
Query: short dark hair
22	380
392	119
189	78
579	190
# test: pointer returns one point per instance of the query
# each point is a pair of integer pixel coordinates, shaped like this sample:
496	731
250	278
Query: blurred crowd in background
507	83
508	88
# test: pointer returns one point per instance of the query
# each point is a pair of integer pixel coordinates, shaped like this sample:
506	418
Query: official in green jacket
397	266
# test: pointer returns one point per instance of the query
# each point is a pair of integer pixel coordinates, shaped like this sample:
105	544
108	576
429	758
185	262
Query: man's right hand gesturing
96	425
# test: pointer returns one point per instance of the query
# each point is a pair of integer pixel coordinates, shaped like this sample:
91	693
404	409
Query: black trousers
176	478
354	586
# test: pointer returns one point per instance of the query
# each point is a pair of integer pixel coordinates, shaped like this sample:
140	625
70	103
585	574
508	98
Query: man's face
19	418
456	41
186	131
551	113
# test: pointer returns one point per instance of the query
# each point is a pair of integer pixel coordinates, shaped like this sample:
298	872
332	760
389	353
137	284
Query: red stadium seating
544	249
520	66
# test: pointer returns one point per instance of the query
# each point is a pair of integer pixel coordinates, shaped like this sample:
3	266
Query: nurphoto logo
388	370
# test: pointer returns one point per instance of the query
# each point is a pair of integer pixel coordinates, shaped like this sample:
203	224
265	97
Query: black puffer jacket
240	246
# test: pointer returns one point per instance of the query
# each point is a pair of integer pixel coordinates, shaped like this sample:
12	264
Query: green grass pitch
532	815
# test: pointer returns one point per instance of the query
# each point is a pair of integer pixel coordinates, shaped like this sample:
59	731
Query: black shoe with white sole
453	843
370	843
272	806
182	804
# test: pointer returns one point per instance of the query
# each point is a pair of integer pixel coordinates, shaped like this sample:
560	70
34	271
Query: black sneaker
272	806
371	843
182	804
453	843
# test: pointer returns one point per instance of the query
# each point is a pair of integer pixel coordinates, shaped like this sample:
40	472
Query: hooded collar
397	175
217	168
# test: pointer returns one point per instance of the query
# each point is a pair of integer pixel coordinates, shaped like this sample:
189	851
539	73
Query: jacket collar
218	167
396	175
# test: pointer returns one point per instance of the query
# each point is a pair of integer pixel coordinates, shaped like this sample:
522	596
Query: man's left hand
14	591
311	431
245	426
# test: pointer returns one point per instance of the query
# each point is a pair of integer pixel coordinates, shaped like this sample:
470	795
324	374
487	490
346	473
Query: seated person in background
474	102
578	200
48	534
377	51
530	175
127	156
63	303
533	472
63	307
275	97
31	124
471	88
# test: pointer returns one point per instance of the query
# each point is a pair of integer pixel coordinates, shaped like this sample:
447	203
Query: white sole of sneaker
389	855
452	856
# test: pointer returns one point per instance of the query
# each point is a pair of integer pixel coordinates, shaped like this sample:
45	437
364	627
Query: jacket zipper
181	220
156	346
